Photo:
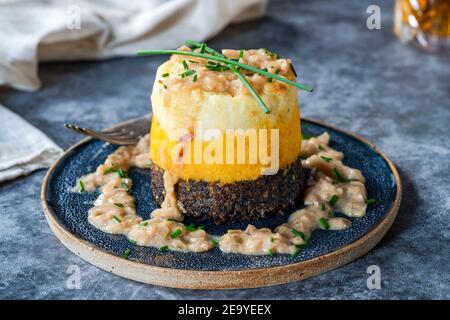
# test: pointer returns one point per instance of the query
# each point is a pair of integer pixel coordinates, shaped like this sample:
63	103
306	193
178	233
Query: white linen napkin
23	148
49	30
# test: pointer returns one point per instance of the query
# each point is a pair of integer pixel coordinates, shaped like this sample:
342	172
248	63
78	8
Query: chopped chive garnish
272	239
241	53
293	70
165	86
193	61
81	185
164	248
117	219
326	159
170	219
202	48
191	227
298	233
165	75
324	223
320	147
143	224
303	157
194	78
276	72
370	201
185	65
187	73
122	173
125	186
132	241
127	253
109	170
271	252
215	243
334	199
201	227
176	234
323	206
118	204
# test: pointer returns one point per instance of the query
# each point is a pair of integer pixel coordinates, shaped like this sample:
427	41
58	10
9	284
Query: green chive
326	159
298	233
173	220
164	86
194	78
132	241
117	219
193	61
272	239
191	227
127	253
185	65
187	73
334	199
125	186
201	227
109	170
340	178
271	252
165	75
164	248
215	243
176	234
324	223
122	173
117	204
143	224
241	53
303	157
202	48
370	201
323	206
320	147
81	185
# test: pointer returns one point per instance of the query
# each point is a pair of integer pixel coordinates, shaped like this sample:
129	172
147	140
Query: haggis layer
243	200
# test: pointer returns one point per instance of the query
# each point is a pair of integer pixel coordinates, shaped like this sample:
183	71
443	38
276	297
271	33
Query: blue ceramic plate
68	212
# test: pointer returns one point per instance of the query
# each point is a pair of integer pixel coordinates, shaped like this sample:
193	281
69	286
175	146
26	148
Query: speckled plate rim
250	278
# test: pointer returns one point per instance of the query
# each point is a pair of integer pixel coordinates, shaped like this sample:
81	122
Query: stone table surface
366	81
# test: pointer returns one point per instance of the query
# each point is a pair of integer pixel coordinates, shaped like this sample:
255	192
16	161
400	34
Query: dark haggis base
242	200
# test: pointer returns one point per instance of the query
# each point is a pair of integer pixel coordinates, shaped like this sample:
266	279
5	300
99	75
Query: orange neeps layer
162	149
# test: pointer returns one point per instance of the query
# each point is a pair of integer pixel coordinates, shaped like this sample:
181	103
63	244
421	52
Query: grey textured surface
366	81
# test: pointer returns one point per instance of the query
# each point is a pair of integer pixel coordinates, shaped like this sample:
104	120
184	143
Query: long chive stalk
237	73
228	62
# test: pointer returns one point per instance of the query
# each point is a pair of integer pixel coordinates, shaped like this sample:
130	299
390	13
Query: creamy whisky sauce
332	187
226	81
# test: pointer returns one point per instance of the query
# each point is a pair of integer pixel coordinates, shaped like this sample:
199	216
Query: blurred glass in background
425	23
